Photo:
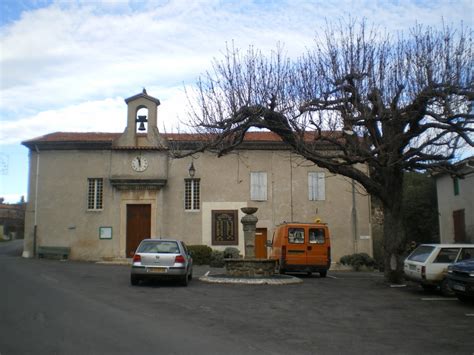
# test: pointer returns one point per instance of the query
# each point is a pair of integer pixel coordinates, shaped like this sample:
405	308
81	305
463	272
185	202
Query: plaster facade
61	164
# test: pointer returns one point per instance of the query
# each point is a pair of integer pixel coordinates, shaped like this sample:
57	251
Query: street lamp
191	170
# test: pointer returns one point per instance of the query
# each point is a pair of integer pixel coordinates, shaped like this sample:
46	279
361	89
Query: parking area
78	307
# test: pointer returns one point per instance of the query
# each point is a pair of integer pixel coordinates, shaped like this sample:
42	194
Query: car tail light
179	259
137	258
423	272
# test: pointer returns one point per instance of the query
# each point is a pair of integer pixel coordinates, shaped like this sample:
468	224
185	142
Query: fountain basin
250	267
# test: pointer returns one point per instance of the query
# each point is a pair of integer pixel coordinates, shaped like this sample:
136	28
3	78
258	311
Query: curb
277	280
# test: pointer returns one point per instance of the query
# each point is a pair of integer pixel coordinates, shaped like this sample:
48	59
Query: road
56	307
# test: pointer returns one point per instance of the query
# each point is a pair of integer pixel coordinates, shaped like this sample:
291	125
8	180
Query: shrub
217	259
358	260
231	253
201	254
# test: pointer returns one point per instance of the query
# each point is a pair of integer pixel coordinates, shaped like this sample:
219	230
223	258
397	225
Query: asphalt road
55	307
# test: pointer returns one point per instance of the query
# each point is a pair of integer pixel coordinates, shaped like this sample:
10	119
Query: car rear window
421	253
166	247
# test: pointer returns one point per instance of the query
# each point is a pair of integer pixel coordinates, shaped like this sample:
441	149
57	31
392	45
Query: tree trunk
394	239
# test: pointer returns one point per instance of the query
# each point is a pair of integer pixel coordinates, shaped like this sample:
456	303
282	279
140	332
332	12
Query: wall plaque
224	227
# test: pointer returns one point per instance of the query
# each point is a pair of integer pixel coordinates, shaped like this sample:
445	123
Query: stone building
101	193
12	219
456	204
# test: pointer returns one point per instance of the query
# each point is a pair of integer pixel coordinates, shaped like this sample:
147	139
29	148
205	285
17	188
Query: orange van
302	247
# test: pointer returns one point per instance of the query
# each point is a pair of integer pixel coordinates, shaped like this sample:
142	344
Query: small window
296	235
258	186
456	186
316	236
421	253
316	186
192	194
95	194
447	256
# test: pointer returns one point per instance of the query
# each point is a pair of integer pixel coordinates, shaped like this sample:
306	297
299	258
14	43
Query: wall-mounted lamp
191	170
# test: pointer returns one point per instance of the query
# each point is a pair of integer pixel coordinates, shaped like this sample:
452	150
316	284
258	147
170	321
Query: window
192	194
296	235
466	254
456	186
95	194
316	186
154	246
447	255
316	236
258	186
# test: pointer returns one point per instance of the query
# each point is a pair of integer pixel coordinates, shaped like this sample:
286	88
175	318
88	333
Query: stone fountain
250	266
250	270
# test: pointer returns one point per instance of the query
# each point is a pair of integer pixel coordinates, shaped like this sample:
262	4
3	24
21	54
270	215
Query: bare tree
359	98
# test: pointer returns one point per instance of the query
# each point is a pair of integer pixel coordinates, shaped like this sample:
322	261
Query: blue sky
68	65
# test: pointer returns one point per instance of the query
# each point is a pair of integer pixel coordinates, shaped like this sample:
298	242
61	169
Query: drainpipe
36	200
291	187
354	216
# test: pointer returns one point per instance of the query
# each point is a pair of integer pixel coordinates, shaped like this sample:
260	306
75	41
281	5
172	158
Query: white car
428	264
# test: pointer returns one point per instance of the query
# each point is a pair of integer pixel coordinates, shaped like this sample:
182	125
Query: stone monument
249	266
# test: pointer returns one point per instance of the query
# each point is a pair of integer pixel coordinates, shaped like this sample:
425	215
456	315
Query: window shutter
258	186
321	187
316	186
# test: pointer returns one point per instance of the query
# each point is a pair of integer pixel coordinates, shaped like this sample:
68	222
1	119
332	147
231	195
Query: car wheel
134	280
463	298
445	289
429	287
323	273
185	280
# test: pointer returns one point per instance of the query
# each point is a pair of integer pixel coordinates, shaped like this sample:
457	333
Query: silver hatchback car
162	259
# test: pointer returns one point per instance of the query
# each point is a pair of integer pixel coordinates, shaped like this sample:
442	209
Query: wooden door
459	226
261	243
138	226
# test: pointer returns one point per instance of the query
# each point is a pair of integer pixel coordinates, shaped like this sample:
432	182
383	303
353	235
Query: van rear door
296	247
317	249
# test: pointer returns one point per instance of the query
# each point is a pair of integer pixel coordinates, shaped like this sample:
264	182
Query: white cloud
80	55
105	115
108	115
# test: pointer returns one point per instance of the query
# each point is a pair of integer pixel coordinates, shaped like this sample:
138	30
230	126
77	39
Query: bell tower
142	124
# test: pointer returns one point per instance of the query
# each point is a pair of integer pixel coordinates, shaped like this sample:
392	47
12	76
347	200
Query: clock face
139	164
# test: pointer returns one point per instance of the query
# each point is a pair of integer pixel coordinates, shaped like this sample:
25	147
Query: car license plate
159	270
458	287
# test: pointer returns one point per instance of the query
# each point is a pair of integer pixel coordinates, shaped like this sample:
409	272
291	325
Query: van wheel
323	273
278	269
445	289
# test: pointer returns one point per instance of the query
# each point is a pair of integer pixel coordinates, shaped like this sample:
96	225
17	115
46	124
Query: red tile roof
109	137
